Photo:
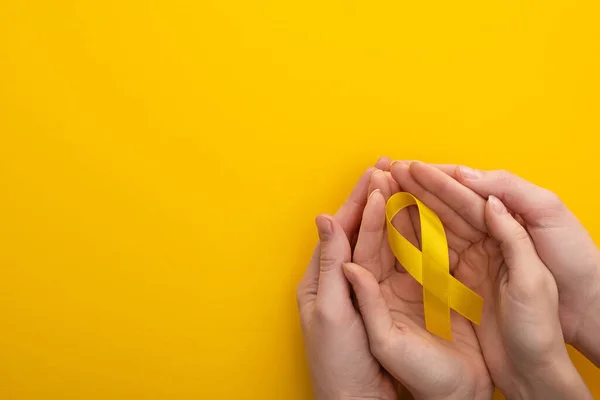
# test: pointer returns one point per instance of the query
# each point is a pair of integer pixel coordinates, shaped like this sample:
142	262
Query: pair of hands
520	337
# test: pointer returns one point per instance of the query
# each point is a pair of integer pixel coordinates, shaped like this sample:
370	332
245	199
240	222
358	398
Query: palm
404	298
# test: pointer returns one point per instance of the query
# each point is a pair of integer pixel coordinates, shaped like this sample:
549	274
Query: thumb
334	251
373	308
520	256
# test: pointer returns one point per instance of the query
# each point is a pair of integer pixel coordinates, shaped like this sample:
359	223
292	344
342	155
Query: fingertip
377	173
349	270
375	202
374	193
383	163
369	171
399	164
324	224
394	187
420	168
416	164
356	275
373	213
398	168
496	205
501	224
380	180
490	214
377	178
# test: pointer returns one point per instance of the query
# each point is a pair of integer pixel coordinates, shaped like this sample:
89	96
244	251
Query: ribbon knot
430	266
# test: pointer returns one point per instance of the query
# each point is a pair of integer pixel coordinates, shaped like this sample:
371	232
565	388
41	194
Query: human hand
391	303
493	254
340	361
562	243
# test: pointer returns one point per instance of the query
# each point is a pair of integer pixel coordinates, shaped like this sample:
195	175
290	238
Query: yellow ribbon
431	268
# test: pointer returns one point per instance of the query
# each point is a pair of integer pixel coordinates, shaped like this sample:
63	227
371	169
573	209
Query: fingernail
377	172
497	205
403	162
324	226
382	158
349	267
373	192
469	173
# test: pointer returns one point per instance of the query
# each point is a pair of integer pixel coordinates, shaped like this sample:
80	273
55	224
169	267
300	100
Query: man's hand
339	358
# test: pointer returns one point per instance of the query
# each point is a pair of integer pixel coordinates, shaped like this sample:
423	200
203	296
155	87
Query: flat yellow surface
161	163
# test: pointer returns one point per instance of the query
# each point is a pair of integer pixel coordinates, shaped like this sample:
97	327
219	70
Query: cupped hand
562	243
492	253
391	303
340	361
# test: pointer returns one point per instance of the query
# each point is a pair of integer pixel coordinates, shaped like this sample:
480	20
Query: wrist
585	338
368	396
464	393
358	396
377	394
555	381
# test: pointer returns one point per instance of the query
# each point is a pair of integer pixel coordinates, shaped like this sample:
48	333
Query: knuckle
539	284
379	345
328	261
520	234
306	290
325	315
550	199
504	175
300	294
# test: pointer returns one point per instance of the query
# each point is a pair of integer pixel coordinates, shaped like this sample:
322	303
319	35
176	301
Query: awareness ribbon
431	268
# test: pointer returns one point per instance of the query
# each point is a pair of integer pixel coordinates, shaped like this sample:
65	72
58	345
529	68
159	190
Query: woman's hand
391	303
562	243
493	254
341	364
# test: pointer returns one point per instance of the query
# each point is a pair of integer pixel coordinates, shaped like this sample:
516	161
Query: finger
406	221
448	169
458	231
521	259
373	307
379	180
350	212
413	213
402	221
306	292
394	187
411	231
537	206
371	234
348	216
468	204
335	250
383	163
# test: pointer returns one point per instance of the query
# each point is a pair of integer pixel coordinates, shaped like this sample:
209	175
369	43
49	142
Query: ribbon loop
431	268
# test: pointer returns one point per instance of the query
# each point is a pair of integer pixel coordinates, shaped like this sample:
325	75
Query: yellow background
130	129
